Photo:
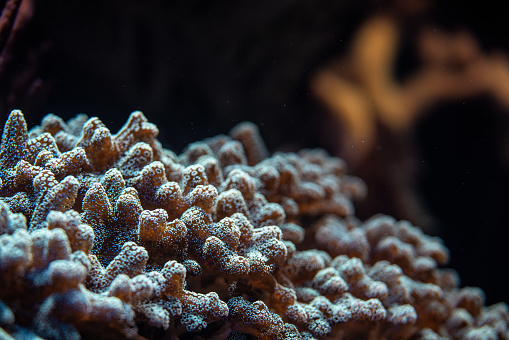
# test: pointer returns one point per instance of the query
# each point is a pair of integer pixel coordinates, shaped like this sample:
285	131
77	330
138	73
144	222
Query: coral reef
112	236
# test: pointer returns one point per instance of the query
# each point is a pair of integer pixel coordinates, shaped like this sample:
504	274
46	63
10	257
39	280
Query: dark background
197	68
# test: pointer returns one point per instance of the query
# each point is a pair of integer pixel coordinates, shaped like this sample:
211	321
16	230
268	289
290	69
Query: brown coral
112	234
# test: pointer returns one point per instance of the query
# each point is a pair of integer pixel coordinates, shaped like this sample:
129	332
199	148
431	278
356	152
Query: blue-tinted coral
108	235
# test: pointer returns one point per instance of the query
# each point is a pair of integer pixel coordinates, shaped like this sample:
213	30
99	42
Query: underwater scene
254	170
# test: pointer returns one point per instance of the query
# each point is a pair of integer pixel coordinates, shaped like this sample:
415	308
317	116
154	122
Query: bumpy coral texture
112	236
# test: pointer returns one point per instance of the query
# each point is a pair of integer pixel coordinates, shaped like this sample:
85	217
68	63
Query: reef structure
113	236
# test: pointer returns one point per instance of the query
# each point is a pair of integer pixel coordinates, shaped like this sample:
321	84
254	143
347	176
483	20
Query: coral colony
112	236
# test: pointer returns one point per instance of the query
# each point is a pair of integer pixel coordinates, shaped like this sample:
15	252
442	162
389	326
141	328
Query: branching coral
112	236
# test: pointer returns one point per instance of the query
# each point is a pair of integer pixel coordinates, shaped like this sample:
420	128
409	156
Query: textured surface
111	235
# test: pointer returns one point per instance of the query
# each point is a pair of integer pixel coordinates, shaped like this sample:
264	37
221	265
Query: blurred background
413	94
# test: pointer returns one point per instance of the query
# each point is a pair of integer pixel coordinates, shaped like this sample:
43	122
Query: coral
113	236
370	95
